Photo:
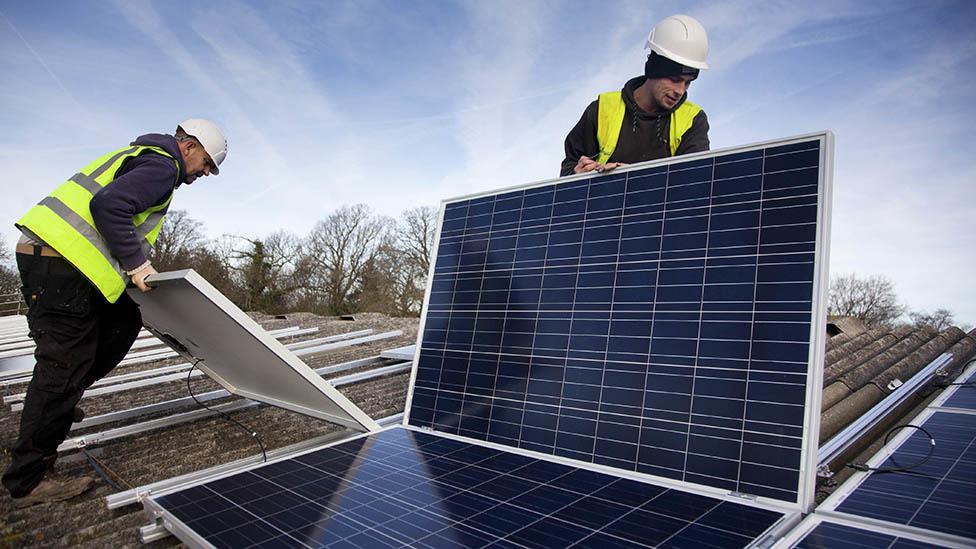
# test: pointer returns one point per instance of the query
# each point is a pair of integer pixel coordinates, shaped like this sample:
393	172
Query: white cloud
349	102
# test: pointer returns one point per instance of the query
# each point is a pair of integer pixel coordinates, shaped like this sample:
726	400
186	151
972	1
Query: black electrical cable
936	386
906	468
253	434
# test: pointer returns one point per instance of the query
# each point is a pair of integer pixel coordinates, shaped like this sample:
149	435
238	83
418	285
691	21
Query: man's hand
609	166
139	277
586	164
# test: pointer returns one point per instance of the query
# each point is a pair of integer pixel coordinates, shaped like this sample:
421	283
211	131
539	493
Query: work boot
78	415
54	489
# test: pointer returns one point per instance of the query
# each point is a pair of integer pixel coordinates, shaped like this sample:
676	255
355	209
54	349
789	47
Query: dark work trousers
80	337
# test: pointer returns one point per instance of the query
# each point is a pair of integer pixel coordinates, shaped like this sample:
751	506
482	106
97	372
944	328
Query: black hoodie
142	182
644	136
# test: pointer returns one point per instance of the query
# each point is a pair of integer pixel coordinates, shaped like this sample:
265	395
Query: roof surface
141	459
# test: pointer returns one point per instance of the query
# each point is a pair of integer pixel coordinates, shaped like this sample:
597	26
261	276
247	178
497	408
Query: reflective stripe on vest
64	222
610	120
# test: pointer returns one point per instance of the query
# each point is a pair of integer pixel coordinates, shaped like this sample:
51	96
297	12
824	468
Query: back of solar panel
665	319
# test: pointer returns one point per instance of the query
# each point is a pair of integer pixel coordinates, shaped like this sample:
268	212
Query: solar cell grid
656	320
964	396
400	487
939	495
827	535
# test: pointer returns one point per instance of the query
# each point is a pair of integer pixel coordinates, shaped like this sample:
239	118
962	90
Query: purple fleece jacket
142	182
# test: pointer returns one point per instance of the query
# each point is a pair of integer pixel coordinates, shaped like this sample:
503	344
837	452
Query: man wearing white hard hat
651	116
80	247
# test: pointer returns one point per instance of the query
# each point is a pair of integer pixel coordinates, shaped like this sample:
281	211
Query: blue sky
401	104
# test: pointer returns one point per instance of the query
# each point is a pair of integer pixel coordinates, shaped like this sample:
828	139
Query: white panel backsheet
236	352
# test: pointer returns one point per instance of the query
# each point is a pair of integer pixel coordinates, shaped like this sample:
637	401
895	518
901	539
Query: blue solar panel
656	320
940	495
402	488
828	535
964	396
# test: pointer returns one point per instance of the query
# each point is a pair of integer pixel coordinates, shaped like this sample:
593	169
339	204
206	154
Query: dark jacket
142	182
644	136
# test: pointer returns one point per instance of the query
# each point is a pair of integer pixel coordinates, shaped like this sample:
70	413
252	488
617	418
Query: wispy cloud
263	68
513	138
40	61
402	105
250	73
739	31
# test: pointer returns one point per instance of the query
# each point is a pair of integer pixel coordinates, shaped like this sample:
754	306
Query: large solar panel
938	496
401	488
660	319
200	323
818	533
964	398
963	395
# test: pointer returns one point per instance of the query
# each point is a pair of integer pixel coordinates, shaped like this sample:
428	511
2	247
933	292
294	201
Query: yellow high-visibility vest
64	222
611	118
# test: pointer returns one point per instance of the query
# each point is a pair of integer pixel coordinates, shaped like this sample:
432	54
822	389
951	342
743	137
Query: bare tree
392	281
938	320
395	278
179	238
214	263
5	254
266	271
337	252
415	233
375	292
871	299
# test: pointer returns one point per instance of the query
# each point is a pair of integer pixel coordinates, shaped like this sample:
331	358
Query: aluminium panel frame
807	467
346	413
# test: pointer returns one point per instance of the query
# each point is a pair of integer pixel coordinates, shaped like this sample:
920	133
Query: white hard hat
682	39
210	136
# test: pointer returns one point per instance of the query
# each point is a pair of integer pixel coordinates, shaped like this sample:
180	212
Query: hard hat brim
677	58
